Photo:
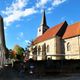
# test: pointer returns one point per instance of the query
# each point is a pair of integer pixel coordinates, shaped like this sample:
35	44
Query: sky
23	17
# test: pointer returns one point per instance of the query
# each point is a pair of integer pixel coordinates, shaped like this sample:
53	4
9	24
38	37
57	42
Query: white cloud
57	2
29	11
17	15
41	3
15	6
16	11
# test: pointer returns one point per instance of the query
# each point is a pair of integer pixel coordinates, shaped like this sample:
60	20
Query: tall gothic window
44	51
35	53
68	46
47	48
39	49
35	50
44	48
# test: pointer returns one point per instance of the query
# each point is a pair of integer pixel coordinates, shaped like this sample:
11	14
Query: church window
39	49
47	48
44	48
35	50
68	46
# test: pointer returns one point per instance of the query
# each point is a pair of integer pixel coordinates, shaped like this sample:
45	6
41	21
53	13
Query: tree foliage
12	54
19	50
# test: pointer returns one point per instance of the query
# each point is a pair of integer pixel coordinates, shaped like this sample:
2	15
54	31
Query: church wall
59	48
52	48
30	53
72	48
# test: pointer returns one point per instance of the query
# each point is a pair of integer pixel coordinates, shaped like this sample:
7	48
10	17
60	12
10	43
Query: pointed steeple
43	26
43	21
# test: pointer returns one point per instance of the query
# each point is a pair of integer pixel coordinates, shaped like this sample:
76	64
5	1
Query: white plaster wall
52	47
75	50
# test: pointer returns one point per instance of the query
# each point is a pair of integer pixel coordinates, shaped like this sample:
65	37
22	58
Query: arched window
47	48
68	46
39	49
44	51
44	47
35	50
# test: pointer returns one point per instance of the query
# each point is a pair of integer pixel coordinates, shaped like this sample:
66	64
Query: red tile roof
72	30
48	34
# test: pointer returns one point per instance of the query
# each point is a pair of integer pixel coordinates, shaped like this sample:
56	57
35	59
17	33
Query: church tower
43	26
3	49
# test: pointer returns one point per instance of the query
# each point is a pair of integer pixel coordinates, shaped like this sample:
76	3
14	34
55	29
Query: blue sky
23	17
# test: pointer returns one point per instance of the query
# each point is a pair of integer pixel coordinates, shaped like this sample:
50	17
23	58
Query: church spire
43	22
43	26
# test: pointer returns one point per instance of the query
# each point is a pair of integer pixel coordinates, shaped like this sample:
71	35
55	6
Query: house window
47	48
68	46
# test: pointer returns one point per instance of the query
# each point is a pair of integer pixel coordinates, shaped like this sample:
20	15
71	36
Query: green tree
19	52
12	54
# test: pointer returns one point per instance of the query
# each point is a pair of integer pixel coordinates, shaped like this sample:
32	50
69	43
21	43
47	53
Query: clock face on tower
39	30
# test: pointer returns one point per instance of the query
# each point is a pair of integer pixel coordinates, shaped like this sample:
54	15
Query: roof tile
72	30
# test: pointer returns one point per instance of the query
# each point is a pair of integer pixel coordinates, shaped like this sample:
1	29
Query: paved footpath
9	74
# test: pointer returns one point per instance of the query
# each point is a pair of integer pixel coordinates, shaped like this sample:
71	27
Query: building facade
61	41
3	49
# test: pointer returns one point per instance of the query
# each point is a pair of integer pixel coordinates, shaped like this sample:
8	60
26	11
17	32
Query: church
61	41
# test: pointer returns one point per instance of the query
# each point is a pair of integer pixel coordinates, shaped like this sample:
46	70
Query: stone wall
52	48
74	50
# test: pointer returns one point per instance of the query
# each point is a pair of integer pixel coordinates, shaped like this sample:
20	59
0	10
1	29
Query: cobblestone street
9	74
